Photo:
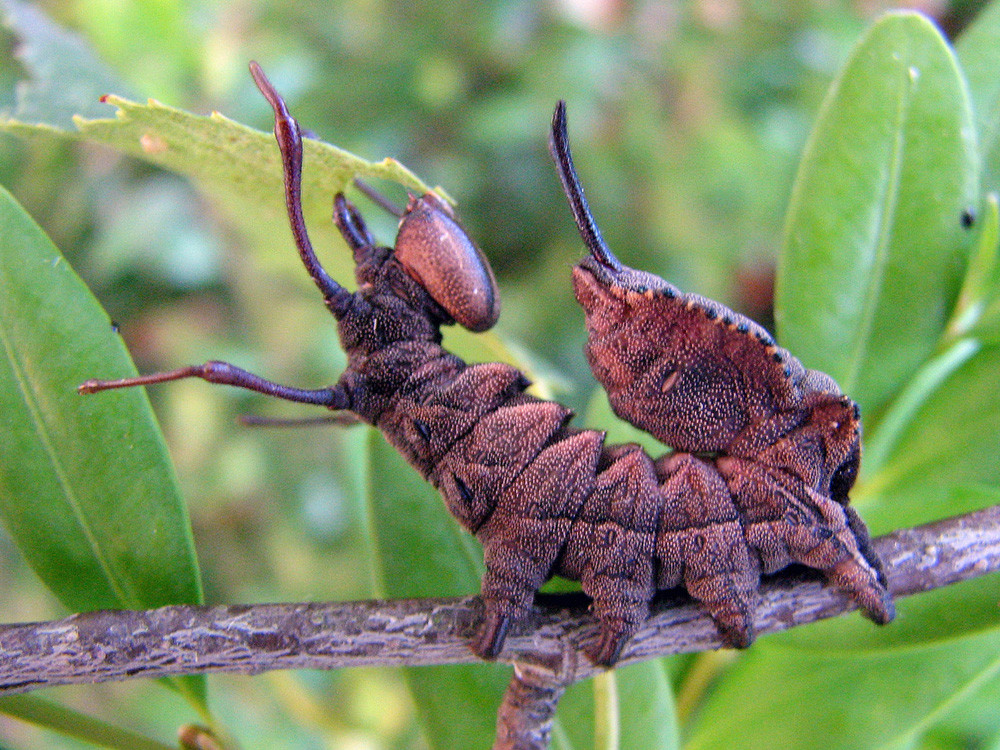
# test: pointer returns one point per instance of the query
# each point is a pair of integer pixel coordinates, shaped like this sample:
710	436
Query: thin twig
119	644
524	720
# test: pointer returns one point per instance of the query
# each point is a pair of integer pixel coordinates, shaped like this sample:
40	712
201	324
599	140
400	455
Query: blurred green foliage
688	121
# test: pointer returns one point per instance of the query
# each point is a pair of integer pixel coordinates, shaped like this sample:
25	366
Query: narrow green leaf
87	490
949	442
777	696
59	718
988	326
980	283
874	245
646	707
977	52
973	723
880	445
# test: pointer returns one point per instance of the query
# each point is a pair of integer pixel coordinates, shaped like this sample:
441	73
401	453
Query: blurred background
687	120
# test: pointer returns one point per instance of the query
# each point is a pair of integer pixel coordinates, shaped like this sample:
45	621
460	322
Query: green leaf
874	245
646	707
988	327
949	442
632	709
74	724
980	283
872	267
87	490
973	723
977	52
237	167
781	696
607	723
216	148
901	412
64	77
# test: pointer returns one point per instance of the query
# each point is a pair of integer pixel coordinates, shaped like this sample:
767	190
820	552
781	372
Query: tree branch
119	644
524	720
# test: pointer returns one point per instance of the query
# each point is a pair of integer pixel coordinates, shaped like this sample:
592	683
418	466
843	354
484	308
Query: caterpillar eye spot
423	429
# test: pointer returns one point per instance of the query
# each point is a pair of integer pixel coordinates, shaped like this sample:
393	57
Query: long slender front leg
227	374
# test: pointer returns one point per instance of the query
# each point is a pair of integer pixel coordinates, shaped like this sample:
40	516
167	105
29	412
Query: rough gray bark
524	721
116	645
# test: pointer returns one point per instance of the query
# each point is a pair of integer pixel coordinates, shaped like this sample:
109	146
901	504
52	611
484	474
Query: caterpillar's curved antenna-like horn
289	137
559	147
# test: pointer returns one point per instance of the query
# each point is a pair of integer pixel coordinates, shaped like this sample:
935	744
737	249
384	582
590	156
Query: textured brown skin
544	498
767	451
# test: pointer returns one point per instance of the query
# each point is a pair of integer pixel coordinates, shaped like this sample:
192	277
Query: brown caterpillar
766	450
